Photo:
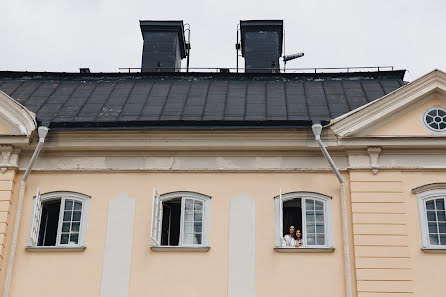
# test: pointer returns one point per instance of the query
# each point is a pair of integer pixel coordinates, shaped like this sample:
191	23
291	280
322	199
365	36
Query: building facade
194	202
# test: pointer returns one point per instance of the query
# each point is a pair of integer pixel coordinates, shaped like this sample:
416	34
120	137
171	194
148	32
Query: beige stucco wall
428	268
179	273
410	123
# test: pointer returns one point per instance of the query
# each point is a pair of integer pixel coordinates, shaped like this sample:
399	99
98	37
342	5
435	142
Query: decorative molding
180	248
19	119
364	117
303	250
374	152
429	187
9	158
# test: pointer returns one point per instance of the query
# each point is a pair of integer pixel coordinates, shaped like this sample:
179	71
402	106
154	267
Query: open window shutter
36	219
157	208
281	217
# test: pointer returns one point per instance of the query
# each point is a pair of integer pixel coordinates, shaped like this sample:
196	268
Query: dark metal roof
162	100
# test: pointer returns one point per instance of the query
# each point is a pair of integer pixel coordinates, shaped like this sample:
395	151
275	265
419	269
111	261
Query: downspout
317	129
43	131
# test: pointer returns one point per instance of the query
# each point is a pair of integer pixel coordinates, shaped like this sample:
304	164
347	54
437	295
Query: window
180	219
59	220
431	206
435	118
308	212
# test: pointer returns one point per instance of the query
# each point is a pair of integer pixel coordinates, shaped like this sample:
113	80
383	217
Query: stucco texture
164	274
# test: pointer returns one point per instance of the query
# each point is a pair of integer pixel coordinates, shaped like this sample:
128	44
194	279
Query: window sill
55	248
180	248
303	250
429	250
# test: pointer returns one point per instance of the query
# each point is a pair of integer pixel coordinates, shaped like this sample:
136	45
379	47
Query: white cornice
16	117
362	118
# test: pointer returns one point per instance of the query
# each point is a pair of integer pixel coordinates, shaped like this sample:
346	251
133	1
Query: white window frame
328	222
40	199
156	237
425	194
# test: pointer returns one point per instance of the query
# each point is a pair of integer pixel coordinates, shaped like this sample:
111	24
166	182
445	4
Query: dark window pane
68	204
75	227
74	238
197	227
67	216
433	239
440	204
430	205
432	228
76	216
431	216
441	215
443	239
64	239
66	227
441	227
77	206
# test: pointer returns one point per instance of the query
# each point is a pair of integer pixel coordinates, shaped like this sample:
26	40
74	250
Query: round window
435	118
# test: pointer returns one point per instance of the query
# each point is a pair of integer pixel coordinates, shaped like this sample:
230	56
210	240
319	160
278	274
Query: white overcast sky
63	35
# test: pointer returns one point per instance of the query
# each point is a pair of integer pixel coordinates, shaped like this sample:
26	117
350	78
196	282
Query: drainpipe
317	129
43	131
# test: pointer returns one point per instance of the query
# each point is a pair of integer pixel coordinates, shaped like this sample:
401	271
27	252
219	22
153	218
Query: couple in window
294	239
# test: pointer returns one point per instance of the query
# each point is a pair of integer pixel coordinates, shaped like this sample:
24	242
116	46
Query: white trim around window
191	202
432	212
73	205
311	241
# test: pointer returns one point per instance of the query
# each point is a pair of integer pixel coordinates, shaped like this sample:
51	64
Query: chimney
261	44
164	46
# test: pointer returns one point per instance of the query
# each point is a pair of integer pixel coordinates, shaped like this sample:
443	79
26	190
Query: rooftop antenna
237	44
289	58
187	30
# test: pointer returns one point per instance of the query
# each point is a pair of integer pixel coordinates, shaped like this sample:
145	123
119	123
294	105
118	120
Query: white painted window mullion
183	207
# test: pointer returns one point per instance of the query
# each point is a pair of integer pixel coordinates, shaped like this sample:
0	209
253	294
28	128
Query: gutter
317	129
43	131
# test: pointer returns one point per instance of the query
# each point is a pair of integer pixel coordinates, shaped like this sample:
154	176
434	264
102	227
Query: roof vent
164	46
261	44
84	70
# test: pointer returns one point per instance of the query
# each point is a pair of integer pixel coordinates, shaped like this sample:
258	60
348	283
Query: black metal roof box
255	25
166	26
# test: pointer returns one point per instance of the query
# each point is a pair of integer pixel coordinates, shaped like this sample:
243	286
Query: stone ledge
55	248
434	250
303	250
180	248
